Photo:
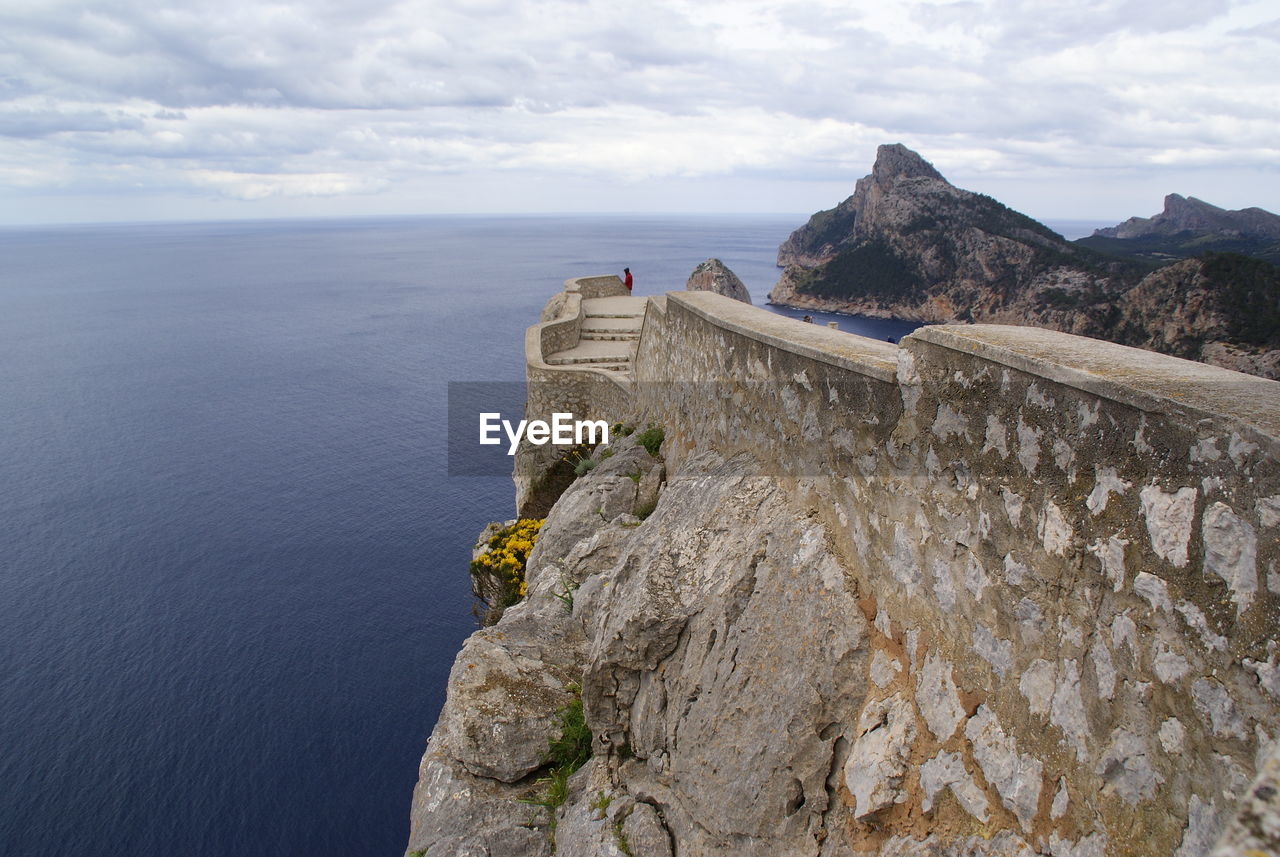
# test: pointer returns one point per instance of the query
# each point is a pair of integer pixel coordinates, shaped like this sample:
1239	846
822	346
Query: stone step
611	335
614	315
565	359
602	325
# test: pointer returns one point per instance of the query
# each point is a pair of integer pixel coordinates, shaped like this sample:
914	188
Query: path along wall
1069	551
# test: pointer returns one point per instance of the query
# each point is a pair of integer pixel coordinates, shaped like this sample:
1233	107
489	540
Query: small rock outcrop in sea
908	244
714	276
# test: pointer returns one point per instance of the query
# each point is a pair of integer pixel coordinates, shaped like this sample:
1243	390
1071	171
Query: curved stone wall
1069	552
581	390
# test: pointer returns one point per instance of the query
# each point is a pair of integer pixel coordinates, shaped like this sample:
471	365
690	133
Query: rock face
677	626
908	244
1222	309
828	231
714	276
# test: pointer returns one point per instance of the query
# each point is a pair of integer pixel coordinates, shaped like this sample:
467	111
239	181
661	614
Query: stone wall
562	331
609	286
1067	550
1067	553
581	390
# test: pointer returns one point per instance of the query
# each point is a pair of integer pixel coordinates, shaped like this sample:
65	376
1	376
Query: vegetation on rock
566	753
497	575
651	439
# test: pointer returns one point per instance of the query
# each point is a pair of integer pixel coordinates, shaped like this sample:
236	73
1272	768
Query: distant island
1188	227
1195	281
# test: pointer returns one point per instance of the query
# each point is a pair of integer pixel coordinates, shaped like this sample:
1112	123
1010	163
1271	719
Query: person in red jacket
626	281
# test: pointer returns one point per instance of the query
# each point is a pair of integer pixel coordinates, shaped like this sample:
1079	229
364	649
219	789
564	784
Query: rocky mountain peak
895	161
827	231
1182	213
1189	214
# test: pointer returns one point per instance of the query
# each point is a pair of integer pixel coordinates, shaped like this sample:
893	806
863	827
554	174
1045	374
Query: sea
233	569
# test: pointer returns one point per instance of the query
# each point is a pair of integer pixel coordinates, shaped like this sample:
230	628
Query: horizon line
177	221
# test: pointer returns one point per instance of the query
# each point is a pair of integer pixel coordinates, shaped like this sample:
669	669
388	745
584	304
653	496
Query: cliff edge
996	591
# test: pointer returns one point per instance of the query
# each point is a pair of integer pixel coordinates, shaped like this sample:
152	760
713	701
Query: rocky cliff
908	244
997	591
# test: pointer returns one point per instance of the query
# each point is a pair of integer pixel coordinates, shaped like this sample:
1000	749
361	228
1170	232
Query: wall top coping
1143	379
859	354
597	286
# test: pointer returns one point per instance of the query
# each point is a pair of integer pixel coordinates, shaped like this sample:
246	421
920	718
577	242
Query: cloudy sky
189	109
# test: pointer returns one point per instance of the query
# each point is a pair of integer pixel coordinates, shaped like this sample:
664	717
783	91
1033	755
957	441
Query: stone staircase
609	335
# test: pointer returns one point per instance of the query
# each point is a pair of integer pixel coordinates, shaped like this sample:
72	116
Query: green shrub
565	755
1248	292
651	439
620	839
601	803
573	748
565	595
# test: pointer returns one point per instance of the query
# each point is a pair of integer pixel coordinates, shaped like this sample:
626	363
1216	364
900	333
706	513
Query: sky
192	109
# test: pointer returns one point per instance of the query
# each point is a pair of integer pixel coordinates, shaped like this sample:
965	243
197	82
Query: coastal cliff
908	244
995	591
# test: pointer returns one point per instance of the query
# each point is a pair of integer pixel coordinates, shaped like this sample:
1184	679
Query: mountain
1188	227
909	244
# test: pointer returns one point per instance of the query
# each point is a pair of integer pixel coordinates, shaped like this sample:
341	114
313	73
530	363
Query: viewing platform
607	336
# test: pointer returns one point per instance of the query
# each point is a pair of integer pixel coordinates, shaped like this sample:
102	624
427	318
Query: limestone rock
500	711
1018	777
644	834
554	307
1255	827
911	245
457	814
613	490
724	605
714	276
1003	844
827	231
938	699
878	761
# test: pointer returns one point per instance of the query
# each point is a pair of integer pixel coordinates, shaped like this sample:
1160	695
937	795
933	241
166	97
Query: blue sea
232	568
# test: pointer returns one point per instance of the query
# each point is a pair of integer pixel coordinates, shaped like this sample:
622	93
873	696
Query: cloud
301	97
34	122
250	186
